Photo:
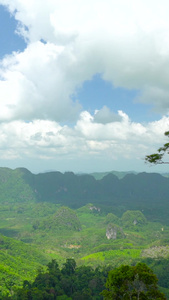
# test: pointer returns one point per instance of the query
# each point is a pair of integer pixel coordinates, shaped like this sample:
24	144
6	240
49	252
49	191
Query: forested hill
143	191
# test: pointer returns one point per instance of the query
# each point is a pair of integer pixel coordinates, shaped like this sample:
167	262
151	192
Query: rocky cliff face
113	232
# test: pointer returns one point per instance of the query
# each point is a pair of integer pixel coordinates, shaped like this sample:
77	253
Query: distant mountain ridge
148	192
120	175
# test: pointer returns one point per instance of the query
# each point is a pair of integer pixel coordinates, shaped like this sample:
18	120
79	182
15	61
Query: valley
103	222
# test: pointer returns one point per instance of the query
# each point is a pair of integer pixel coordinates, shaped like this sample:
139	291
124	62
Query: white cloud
87	137
35	86
68	42
105	115
87	146
158	96
126	41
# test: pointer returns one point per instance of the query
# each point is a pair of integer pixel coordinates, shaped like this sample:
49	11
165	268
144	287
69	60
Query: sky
84	85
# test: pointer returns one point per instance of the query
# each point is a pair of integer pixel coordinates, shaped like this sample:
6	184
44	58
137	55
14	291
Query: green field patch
108	255
113	246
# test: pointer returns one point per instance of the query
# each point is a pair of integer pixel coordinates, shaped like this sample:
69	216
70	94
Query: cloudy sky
84	85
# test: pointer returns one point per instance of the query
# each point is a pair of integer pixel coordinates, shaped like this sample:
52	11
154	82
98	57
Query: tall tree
132	282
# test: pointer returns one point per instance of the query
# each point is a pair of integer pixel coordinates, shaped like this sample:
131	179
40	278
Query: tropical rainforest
63	235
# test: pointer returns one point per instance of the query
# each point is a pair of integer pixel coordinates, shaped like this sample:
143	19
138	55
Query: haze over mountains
148	192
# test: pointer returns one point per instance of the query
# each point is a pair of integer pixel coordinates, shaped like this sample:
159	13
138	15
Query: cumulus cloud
68	42
127	42
48	139
35	86
87	146
105	115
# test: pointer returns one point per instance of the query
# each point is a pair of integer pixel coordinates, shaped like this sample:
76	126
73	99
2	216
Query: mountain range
147	192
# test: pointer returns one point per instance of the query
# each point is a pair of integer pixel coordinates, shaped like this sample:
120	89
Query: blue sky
97	92
94	96
10	41
94	93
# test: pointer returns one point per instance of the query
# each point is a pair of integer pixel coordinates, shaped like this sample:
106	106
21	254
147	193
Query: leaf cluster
157	158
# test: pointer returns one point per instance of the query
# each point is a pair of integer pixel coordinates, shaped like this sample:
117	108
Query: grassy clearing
108	255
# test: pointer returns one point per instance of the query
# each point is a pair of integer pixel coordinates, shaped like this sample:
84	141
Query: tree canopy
157	158
68	283
132	282
85	283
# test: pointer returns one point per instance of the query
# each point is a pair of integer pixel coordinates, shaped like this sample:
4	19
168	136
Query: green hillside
103	222
18	262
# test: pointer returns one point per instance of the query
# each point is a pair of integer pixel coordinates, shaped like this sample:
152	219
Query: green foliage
64	219
69	282
90	217
69	267
133	218
132	282
115	245
112	218
13	187
157	158
160	267
59	232
113	254
143	191
18	261
60	243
